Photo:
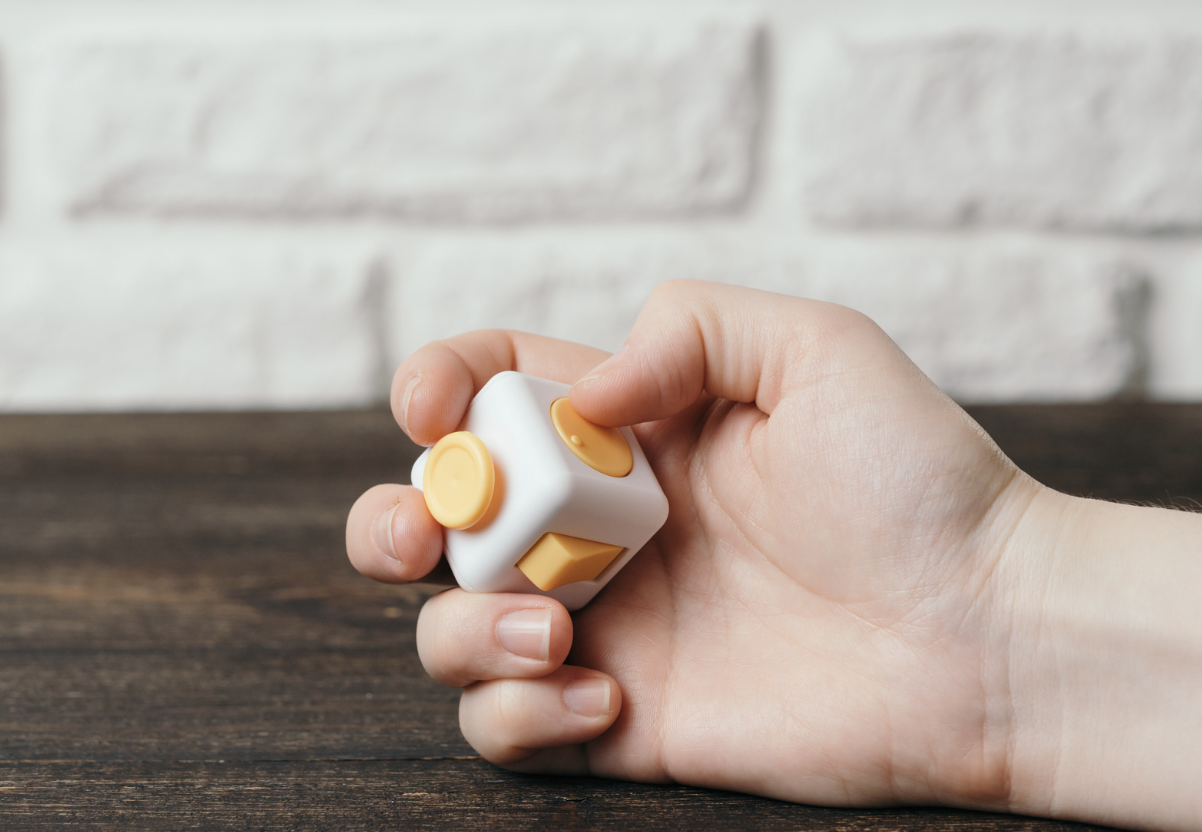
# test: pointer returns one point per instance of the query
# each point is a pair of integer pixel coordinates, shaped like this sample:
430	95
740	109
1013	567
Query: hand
829	615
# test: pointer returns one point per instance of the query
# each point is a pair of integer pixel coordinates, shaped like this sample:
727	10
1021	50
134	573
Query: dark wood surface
183	644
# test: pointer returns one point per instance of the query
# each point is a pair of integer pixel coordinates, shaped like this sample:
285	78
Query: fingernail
381	533
526	633
605	366
407	397
587	697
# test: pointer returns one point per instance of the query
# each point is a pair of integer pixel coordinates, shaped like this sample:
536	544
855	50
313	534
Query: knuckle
675	293
489	717
432	648
506	708
840	328
448	640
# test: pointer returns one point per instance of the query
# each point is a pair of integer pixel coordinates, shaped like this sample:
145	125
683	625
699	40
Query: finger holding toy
432	389
391	537
540	725
467	637
498	493
521	706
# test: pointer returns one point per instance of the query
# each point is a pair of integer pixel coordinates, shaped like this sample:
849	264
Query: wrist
1100	606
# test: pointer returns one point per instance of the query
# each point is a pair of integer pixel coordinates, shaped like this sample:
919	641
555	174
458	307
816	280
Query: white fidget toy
535	498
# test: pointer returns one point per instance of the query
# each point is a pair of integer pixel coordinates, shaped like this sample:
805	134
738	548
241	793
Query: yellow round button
458	480
603	449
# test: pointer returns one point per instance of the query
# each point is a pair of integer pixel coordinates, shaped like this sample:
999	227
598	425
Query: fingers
390	535
529	712
526	723
463	637
432	388
694	337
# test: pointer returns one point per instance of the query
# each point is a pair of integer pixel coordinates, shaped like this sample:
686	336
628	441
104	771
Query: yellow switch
557	559
602	449
459	480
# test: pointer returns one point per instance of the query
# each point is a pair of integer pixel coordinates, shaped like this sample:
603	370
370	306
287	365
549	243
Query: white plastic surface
543	487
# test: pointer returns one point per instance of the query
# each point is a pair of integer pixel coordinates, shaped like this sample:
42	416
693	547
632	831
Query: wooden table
183	644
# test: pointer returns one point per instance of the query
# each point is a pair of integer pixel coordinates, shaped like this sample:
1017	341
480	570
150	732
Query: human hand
828	615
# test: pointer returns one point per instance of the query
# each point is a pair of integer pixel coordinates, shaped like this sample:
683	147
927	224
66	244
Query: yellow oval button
600	448
458	480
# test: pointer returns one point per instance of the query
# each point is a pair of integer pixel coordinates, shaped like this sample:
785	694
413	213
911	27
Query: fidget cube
535	498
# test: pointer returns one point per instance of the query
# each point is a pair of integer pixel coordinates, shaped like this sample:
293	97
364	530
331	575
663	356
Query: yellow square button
557	559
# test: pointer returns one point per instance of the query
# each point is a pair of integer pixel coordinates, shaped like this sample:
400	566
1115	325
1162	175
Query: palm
793	625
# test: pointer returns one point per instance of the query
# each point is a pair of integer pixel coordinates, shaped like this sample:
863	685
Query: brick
467	123
1005	326
118	329
1009	324
1175	330
584	290
1038	131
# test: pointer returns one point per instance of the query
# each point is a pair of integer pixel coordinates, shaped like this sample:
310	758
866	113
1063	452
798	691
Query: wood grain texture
183	644
188	597
1139	452
416	795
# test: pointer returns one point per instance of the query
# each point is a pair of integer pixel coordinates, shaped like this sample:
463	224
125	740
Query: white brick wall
511	122
1042	131
243	205
187	328
1015	323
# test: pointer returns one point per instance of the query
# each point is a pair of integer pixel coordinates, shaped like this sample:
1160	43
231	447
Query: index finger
433	387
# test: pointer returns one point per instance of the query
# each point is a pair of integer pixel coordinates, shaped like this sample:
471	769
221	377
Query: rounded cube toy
535	498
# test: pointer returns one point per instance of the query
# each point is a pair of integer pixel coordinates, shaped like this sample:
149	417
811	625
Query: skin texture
847	606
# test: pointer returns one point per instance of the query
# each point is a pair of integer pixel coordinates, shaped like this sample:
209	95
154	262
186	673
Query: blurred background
210	204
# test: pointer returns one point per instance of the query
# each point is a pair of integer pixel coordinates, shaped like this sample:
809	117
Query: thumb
693	338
